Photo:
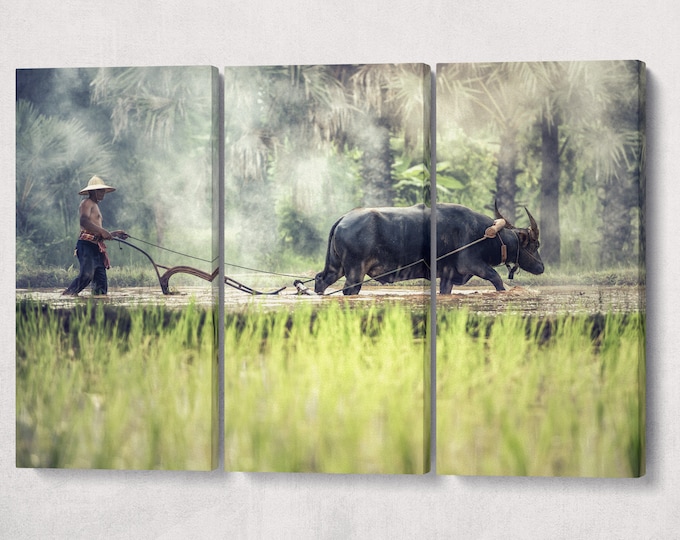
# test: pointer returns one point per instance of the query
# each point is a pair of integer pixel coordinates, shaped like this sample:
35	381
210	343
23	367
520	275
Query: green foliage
339	389
467	176
298	232
105	388
148	131
412	181
596	108
555	397
52	154
297	143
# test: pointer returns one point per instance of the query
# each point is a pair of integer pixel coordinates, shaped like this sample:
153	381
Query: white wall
149	504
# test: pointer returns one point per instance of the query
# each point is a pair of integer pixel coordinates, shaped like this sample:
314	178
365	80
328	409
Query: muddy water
124	297
548	300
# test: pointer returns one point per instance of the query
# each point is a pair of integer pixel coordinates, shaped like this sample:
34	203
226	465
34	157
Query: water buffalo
393	244
458	226
376	241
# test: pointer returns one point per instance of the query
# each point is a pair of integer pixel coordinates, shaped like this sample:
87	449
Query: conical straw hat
96	183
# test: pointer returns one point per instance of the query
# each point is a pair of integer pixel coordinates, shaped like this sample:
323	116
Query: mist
149	132
565	139
306	144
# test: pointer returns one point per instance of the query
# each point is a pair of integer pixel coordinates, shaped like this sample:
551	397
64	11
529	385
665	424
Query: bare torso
91	219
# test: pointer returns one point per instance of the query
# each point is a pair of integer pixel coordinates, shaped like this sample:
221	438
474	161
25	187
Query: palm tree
164	128
551	85
281	122
567	101
278	120
53	158
613	146
597	105
490	98
394	100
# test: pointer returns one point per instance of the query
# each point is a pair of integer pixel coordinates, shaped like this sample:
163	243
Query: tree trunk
550	190
506	176
616	222
377	165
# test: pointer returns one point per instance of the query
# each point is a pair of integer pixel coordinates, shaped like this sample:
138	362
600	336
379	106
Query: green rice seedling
115	388
554	397
338	389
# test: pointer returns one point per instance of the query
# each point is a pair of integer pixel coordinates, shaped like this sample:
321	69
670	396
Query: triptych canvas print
360	269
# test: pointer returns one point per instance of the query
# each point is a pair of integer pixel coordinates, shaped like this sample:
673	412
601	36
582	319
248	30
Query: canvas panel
546	377
317	380
127	379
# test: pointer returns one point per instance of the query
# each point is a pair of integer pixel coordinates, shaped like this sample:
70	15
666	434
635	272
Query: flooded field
124	297
339	375
546	300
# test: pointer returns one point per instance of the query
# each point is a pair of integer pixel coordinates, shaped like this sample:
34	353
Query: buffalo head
528	257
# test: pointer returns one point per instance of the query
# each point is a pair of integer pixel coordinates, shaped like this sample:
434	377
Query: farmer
90	248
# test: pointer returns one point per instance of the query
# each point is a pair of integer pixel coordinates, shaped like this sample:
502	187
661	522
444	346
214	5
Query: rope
461	248
171	250
376	278
267	272
226	263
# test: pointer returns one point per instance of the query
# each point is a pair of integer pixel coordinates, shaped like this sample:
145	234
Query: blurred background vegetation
149	132
305	144
565	139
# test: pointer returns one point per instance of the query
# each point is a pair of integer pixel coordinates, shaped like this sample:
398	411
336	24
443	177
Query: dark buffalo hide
393	244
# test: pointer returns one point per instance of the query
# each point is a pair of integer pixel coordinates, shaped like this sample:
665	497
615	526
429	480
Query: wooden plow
168	272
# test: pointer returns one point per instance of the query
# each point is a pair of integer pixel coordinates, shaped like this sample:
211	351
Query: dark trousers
92	269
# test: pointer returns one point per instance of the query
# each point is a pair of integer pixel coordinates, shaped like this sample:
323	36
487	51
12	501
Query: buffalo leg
491	275
326	278
445	286
480	269
353	282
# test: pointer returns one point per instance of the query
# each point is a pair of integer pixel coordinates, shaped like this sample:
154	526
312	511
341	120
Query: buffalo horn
498	215
532	221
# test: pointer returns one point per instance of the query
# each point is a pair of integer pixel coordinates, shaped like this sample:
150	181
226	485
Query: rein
452	252
166	249
504	252
377	278
163	279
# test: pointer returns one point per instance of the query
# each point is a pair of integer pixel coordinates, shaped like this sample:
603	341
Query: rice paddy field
545	381
553	396
111	387
337	388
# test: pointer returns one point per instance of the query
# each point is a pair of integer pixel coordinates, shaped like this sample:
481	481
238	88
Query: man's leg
87	268
100	283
